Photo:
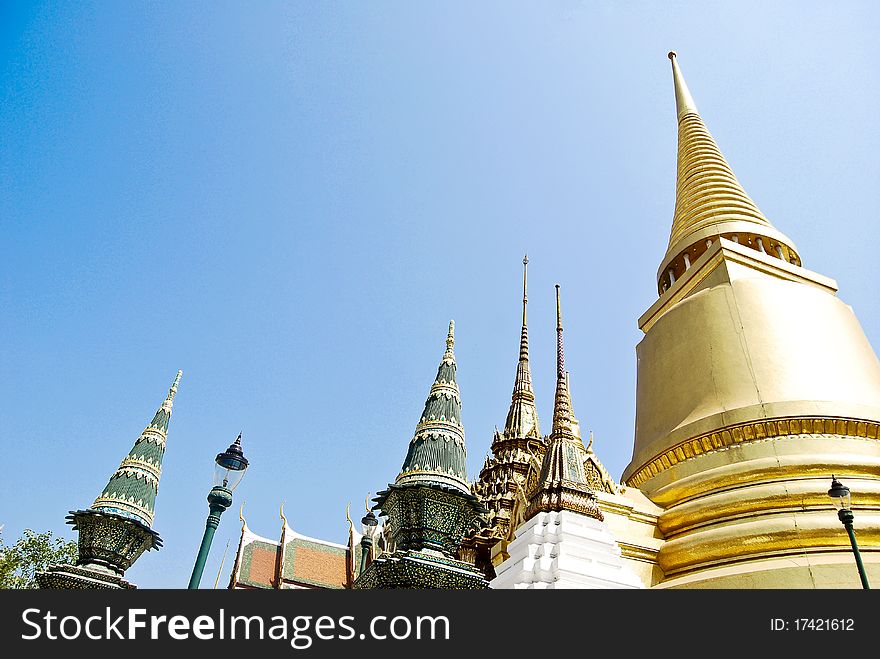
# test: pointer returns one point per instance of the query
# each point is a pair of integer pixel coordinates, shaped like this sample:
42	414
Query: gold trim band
750	432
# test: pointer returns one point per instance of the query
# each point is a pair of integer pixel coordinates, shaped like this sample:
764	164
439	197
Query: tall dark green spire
131	491
429	507
437	452
116	530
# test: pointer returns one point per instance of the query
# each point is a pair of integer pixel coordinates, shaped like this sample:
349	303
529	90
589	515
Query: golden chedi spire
562	481
506	469
755	383
522	417
562	412
709	200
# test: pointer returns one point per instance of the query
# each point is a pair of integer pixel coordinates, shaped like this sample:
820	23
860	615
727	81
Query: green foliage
32	553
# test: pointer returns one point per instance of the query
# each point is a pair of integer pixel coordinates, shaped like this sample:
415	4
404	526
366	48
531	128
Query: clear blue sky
289	201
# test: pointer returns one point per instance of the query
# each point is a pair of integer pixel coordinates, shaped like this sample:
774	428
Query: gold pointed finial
684	102
241	517
220	569
283	518
450	338
367	502
590	445
560	352
348	517
522	416
562	409
558	311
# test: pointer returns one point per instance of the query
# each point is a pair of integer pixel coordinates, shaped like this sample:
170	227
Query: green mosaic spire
429	507
437	453
131	491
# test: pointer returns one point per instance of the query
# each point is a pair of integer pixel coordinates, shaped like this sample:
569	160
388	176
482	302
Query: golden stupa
756	383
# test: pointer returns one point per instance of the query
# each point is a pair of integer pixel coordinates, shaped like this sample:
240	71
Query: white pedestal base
564	550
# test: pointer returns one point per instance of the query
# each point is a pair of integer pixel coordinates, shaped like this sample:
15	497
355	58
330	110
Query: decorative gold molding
128	504
749	432
638	552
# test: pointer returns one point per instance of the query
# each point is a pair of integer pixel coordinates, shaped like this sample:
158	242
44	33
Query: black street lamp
369	524
228	472
842	498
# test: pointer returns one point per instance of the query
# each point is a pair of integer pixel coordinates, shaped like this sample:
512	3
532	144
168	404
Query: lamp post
369	524
842	498
228	472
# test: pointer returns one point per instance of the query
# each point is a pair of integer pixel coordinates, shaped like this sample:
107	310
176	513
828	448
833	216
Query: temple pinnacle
436	452
560	352
562	482
169	400
131	491
522	416
710	203
562	411
524	334
117	528
684	102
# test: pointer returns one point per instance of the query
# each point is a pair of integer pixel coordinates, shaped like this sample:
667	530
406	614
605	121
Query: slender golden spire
522	417
509	463
709	200
562	482
707	191
524	336
684	102
562	412
220	569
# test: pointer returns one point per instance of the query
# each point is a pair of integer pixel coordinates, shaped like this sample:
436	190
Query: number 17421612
824	624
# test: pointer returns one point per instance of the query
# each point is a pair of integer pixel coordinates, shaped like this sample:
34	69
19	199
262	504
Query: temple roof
294	561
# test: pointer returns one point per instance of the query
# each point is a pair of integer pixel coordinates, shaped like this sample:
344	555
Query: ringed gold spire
522	417
562	412
505	471
562	482
709	200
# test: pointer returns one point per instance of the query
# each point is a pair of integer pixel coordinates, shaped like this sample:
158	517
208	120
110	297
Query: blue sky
289	201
